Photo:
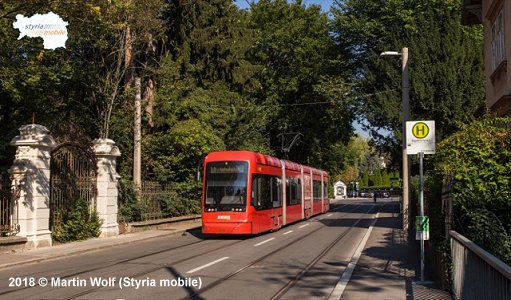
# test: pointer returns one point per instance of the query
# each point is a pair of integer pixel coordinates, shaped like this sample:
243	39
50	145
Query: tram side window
316	189
294	191
276	191
325	189
266	192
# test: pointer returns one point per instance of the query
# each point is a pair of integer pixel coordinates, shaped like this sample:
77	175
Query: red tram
248	193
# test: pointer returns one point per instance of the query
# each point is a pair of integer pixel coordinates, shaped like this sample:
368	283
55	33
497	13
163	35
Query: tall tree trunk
149	100
129	63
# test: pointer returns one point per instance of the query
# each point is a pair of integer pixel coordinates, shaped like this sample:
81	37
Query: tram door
307	195
267	200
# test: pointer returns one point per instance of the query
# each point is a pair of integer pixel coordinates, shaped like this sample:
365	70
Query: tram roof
262	159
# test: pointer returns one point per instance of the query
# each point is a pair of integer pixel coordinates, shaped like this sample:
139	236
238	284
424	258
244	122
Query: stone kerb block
107	153
31	167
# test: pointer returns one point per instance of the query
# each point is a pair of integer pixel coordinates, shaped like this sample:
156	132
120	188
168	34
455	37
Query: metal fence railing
476	273
154	201
9	196
151	196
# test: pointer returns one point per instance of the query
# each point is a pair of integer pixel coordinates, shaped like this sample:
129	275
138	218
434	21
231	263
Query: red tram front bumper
227	227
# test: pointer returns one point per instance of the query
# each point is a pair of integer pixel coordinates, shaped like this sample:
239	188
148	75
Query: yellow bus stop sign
420	137
420	130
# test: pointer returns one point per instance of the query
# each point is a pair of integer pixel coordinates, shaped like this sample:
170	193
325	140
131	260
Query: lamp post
405	98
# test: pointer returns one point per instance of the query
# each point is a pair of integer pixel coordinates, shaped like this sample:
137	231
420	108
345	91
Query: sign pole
421	140
421	209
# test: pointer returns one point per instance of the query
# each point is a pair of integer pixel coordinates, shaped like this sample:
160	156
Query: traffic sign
420	137
422	227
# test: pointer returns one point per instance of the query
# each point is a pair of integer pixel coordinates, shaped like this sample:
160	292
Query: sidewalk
21	257
389	268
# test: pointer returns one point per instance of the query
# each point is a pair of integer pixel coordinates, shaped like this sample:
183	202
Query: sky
325	6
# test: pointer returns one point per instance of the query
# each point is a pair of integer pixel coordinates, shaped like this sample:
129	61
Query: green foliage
130	208
478	161
302	80
445	63
478	158
173	204
487	230
208	41
171	200
175	156
77	224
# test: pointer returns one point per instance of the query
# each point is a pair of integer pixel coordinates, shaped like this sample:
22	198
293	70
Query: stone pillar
106	199
31	167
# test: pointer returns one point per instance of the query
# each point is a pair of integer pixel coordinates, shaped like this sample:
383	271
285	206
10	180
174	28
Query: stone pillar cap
106	147
33	134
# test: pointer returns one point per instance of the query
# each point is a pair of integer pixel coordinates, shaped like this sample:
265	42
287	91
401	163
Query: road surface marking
288	232
207	265
329	215
304	225
263	242
345	278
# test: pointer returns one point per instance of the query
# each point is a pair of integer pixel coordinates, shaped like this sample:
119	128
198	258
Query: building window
497	40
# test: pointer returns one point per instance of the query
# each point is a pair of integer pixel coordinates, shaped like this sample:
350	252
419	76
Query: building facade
495	16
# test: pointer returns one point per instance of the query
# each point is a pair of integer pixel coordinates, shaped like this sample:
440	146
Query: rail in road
305	259
294	279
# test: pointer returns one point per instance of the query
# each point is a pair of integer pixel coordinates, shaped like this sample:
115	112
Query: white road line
263	242
207	265
288	232
329	215
345	278
304	225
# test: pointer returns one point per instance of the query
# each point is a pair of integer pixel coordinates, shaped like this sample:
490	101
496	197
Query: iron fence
151	195
476	273
143	204
9	196
73	178
153	201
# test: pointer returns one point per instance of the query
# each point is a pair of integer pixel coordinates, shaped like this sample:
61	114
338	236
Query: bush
478	160
77	224
181	199
486	229
177	199
130	209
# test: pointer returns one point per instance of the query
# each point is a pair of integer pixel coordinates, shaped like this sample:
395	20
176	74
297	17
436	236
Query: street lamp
405	97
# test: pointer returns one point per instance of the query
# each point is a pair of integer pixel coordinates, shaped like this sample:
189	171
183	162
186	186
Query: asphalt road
304	260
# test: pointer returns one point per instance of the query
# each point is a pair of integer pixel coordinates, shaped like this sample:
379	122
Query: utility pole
405	90
405	103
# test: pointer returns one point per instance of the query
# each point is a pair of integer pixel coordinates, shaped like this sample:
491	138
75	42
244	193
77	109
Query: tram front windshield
226	186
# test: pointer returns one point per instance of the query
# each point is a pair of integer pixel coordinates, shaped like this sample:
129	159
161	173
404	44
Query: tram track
156	268
174	262
127	260
281	292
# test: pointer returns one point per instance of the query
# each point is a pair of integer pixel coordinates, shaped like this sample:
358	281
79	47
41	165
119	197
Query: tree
302	80
446	62
350	174
477	160
208	41
203	82
82	82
